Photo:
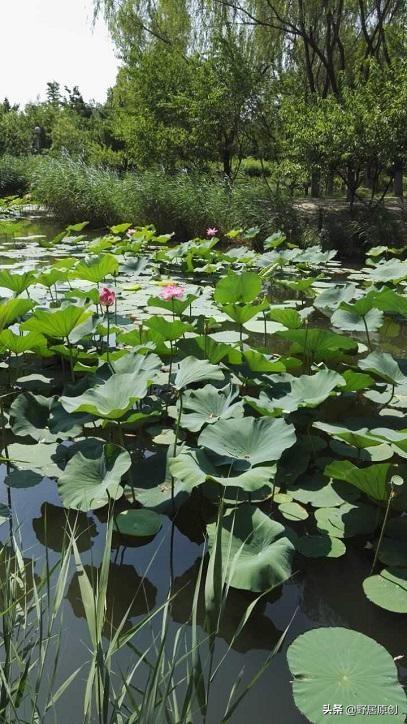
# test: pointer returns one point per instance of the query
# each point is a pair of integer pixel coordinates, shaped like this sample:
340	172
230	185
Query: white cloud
43	40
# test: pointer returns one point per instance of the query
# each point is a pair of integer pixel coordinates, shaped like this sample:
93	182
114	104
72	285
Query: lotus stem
71	359
385	519
108	336
369	343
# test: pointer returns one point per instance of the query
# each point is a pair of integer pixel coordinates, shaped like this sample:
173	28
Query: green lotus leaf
238	288
347	520
346	320
192	370
209	404
168	331
362	438
110	399
356	381
176	306
88	483
133	362
320	343
290	318
331	298
12	310
29	417
256	550
306	391
241	313
19	344
320	546
51	277
251	440
337	666
193	468
389	271
388	589
59	323
204	347
372	480
96	268
258	362
390	302
314	490
120	228
293	511
384	366
141	523
16	282
38	457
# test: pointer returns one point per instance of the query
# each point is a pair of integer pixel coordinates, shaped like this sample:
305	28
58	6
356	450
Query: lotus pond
204	456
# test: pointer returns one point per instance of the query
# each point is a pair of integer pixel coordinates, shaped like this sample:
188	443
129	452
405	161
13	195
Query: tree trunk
350	185
330	183
398	178
315	184
227	162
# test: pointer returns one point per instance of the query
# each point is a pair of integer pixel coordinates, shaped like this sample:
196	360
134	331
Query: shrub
15	174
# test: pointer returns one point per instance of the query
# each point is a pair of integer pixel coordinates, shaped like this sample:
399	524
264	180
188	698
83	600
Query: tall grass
15	174
169	676
184	203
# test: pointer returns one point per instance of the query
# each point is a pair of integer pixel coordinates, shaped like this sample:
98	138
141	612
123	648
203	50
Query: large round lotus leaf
242	313
371	480
320	546
315	490
233	288
347	520
58	323
386	367
253	440
373	320
111	399
343	667
256	552
88	483
388	589
392	270
13	309
29	417
320	343
18	344
38	457
96	268
143	523
17	283
207	405
192	468
192	370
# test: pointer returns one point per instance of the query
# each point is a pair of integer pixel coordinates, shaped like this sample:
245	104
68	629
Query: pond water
325	592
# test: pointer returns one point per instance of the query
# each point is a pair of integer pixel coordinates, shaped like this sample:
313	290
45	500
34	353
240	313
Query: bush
15	175
253	168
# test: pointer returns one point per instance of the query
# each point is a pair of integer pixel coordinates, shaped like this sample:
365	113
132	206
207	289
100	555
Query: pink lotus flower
172	291
212	231
130	232
107	297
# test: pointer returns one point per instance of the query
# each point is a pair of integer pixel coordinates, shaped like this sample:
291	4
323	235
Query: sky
44	40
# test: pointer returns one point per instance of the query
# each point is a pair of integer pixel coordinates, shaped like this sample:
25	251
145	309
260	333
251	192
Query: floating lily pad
141	523
346	668
320	546
388	589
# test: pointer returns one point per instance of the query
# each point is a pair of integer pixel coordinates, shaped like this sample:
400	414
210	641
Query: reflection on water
128	595
259	633
53	528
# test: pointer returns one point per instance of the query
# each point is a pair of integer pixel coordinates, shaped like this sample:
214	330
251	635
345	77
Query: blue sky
44	40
